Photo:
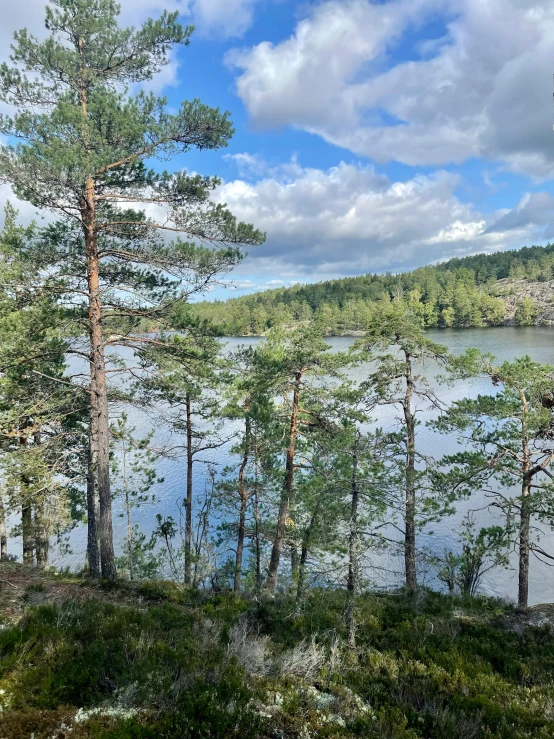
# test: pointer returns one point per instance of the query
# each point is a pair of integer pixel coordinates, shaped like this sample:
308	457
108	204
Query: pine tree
182	382
41	428
509	432
83	144
395	341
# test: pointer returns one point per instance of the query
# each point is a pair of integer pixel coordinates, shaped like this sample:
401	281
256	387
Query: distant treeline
460	292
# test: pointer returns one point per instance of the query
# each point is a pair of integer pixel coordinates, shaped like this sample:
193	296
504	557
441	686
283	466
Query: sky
371	136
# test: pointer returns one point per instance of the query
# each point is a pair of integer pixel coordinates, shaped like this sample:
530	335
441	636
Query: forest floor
154	660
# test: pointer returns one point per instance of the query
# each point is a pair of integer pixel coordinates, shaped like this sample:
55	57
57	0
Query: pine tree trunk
525	511
293	543
41	525
240	545
287	489
3	531
243	496
410	527
258	545
353	547
93	555
305	549
188	498
41	536
99	419
27	534
26	510
524	542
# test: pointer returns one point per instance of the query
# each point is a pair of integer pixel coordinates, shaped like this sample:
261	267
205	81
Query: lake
384	570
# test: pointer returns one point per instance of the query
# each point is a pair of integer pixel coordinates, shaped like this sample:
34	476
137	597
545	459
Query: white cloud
484	92
350	220
248	165
224	18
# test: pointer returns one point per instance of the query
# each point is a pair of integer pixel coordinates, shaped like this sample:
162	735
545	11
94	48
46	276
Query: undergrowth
180	663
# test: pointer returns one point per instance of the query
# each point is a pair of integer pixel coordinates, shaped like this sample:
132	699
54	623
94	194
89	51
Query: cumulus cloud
350	220
483	90
224	18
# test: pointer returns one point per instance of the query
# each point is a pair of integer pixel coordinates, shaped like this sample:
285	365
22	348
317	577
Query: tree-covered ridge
461	292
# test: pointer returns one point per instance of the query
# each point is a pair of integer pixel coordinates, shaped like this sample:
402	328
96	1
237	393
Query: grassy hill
482	290
155	661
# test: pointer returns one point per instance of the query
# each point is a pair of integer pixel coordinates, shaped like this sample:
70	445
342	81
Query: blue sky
370	136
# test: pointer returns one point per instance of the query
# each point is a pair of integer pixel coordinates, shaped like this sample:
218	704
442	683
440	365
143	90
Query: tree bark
525	511
243	496
99	419
27	534
3	531
305	549
258	545
293	543
26	510
188	497
41	536
93	554
524	542
410	528
41	525
353	549
287	489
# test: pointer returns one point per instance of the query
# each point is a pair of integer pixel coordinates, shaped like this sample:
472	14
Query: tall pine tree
79	144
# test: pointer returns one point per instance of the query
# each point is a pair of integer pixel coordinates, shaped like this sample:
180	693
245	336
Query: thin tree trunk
293	543
3	530
188	498
353	550
27	534
41	536
524	541
240	545
257	544
410	528
287	489
243	496
100	425
26	510
41	526
93	555
525	513
305	549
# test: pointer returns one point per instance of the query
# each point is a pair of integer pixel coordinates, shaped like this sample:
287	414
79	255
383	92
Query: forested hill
482	290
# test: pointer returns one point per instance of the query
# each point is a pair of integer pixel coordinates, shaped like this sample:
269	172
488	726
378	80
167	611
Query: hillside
483	290
80	659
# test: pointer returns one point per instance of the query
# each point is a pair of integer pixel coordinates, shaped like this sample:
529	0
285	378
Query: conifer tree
288	361
182	381
396	342
80	145
511	446
41	429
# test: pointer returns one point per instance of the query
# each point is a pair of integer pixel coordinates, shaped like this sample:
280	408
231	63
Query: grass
168	662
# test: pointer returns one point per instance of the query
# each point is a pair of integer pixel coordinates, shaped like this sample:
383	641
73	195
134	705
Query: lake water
384	570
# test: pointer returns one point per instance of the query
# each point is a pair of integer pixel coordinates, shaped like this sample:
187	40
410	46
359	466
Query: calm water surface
383	569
